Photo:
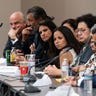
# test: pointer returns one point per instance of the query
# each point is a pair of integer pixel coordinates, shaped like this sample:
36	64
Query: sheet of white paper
3	62
12	71
80	80
45	79
62	91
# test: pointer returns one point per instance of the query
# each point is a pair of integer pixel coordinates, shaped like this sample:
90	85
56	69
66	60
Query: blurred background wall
60	9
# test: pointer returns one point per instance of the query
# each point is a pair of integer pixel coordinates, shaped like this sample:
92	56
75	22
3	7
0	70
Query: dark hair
71	40
93	29
71	22
38	12
49	45
50	24
89	19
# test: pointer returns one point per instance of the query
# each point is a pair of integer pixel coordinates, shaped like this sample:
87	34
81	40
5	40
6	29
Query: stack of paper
12	71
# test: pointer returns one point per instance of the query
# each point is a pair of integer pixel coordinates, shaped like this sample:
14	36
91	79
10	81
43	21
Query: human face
31	21
82	32
59	40
45	33
93	42
17	22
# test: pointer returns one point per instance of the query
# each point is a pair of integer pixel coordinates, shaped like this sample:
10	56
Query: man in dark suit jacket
17	24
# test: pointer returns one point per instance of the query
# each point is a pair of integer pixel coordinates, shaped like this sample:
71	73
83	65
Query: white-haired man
17	24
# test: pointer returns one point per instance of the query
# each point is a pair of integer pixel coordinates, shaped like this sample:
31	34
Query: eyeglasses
81	30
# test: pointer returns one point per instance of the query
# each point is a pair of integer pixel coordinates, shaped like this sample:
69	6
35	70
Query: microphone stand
49	62
29	77
1	24
64	50
28	87
32	78
32	89
86	66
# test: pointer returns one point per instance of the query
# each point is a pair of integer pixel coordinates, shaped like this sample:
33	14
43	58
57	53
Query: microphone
43	61
31	89
32	78
1	24
77	60
63	51
28	87
91	63
93	29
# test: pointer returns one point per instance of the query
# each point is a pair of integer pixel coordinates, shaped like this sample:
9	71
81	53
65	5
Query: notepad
12	71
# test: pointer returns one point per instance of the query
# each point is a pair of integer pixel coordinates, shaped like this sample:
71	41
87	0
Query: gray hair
93	29
19	14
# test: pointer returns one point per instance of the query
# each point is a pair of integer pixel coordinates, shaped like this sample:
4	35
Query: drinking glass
31	62
23	68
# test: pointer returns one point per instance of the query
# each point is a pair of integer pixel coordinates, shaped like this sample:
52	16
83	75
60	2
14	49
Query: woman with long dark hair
64	38
46	49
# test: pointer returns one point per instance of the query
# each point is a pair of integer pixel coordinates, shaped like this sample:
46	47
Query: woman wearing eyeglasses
78	81
84	24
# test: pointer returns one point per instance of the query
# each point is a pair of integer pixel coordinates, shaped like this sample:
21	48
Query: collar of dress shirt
14	40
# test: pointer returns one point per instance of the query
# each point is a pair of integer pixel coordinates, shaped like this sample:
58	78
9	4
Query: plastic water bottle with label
88	81
64	69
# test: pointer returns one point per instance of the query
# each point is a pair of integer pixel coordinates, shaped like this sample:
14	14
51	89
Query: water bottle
64	69
88	81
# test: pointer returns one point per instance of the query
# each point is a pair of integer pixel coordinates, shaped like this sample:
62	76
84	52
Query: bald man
17	24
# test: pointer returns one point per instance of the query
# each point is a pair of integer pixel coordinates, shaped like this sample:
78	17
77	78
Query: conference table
11	87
